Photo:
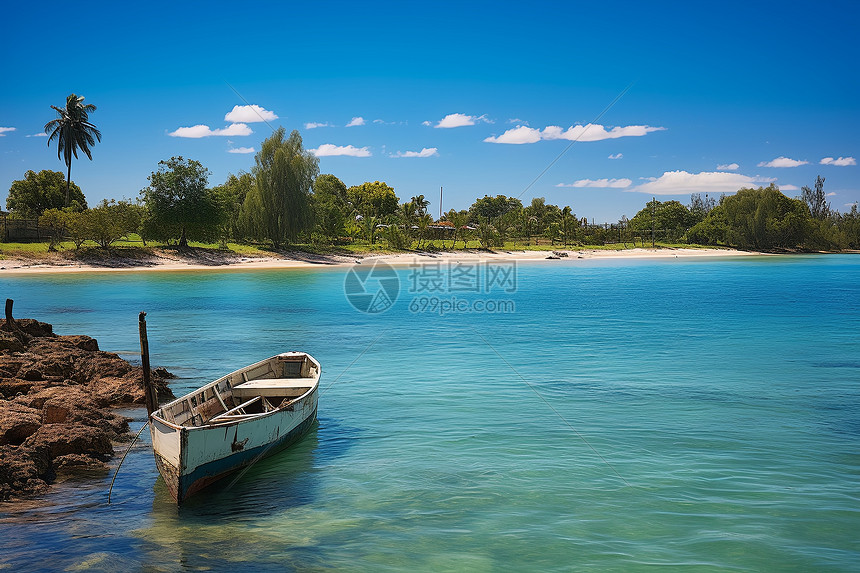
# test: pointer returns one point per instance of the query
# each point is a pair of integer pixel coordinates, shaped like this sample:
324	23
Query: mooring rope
123	458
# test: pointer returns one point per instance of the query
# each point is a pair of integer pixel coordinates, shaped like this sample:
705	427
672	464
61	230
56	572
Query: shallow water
628	415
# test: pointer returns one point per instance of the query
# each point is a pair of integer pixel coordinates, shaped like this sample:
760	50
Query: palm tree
459	220
421	204
368	225
72	130
407	215
424	222
565	216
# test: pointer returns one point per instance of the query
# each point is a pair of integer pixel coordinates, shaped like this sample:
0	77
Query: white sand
13	266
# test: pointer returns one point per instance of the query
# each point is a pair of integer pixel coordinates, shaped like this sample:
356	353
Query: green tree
467	233
459	219
72	130
568	223
712	230
765	219
76	225
109	221
375	199
670	219
37	192
370	228
824	229
230	196
486	234
491	208
54	220
396	238
849	224
406	214
527	224
537	214
816	199
700	207
505	226
423	222
331	207
179	204
278	207
421	204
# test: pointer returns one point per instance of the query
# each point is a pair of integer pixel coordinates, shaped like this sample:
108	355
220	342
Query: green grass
30	248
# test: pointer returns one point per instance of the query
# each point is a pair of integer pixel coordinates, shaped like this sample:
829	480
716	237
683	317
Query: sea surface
697	414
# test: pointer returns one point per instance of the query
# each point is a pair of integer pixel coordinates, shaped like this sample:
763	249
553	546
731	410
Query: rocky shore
57	400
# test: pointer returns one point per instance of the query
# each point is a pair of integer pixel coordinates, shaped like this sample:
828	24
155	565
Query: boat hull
190	459
183	486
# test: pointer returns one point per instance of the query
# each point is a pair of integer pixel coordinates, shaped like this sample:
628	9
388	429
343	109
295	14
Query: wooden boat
234	421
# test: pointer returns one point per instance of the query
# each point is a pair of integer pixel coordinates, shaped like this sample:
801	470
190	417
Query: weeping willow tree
278	206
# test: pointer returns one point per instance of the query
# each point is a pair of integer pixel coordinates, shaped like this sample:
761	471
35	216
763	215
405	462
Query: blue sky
476	97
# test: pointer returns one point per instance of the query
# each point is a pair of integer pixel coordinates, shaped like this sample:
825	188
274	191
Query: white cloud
314	125
518	121
426	152
616	156
427	123
460	120
241	150
249	114
355	122
788	187
599	183
782	162
842	161
329	150
42	134
728	167
198	131
684	183
596	132
589	132
3	130
831	194
517	136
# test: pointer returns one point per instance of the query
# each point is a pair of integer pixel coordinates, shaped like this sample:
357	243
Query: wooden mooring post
150	394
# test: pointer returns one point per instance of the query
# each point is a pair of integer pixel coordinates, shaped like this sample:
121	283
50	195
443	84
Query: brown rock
11	363
82	342
53	414
71	464
76	438
33	375
10	387
17	422
9	341
34	328
22	472
56	413
162	372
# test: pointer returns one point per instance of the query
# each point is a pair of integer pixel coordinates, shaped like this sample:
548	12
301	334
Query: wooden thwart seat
273	387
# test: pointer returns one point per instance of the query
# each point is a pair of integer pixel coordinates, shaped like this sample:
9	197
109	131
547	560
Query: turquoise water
683	414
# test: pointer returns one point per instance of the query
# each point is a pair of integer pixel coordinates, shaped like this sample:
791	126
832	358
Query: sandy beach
308	261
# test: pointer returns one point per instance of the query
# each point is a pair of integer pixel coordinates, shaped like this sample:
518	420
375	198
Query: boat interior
254	391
